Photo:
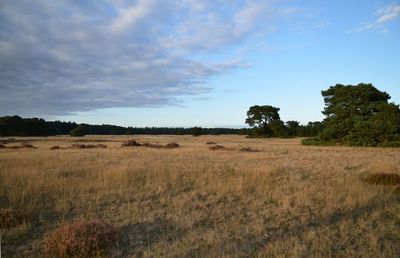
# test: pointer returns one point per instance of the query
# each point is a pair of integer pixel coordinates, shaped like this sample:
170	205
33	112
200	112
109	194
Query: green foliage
196	131
17	126
78	131
359	116
316	141
265	121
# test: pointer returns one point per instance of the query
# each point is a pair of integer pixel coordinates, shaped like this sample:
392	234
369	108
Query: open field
286	200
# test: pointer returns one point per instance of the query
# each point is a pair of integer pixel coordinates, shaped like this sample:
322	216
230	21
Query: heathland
211	196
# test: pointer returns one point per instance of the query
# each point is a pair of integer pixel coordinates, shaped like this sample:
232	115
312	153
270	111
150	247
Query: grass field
280	199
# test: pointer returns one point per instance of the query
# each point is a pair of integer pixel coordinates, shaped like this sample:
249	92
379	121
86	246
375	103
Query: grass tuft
81	239
10	218
383	179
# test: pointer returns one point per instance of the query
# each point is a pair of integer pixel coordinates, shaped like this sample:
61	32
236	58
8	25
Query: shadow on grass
282	233
138	237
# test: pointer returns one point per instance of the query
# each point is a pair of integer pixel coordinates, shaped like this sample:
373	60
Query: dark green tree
196	131
79	131
292	128
265	120
360	115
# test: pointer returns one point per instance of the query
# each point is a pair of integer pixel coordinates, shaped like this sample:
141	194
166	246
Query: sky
190	62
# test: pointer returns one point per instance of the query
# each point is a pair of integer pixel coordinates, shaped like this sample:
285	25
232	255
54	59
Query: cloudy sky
190	62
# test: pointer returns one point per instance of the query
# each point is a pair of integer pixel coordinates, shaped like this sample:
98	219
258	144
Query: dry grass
217	147
10	218
384	179
81	239
287	200
248	149
129	143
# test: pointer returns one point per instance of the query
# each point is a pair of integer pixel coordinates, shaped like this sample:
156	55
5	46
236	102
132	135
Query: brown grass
248	149
87	146
287	200
384	179
10	218
130	143
217	147
171	145
81	239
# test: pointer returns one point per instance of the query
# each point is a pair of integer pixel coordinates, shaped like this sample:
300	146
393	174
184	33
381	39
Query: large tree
265	119
360	115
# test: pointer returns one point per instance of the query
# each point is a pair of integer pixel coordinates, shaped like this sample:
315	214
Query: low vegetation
384	179
195	202
358	116
81	239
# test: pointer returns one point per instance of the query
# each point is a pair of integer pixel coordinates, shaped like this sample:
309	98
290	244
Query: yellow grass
287	200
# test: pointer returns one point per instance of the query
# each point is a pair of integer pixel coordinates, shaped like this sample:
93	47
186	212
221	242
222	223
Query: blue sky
190	63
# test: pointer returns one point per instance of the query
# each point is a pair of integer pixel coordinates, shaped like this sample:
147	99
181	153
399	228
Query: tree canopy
265	120
359	115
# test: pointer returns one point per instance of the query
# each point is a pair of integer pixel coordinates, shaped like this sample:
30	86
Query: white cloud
61	57
384	15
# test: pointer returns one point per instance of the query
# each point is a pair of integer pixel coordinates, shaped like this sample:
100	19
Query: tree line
355	115
18	126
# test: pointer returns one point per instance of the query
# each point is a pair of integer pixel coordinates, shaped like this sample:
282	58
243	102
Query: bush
152	145
317	141
130	143
171	145
78	131
10	218
384	179
81	239
217	147
249	149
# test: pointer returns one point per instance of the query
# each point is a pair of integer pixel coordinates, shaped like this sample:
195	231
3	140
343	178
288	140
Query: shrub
217	147
130	143
56	147
317	141
10	218
78	131
384	179
87	146
249	149
152	145
211	143
81	239
196	131
171	145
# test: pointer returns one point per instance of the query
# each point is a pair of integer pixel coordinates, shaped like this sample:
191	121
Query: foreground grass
282	200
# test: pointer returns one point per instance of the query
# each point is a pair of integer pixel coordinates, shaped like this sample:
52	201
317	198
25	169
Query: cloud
384	15
62	57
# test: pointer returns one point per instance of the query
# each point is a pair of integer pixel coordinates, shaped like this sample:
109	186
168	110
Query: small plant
10	218
88	146
152	145
211	143
171	145
249	149
384	179
56	147
81	239
130	143
217	147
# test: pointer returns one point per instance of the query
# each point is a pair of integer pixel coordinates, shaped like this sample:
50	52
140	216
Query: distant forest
17	126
